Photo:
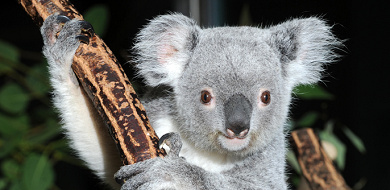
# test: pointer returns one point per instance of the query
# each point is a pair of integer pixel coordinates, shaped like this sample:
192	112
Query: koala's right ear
163	48
304	47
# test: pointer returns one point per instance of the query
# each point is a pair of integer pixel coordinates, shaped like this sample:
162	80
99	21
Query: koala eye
265	97
205	97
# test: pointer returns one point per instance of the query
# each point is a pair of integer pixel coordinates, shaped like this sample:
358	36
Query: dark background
360	81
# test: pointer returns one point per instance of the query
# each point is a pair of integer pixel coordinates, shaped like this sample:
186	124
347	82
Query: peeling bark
106	84
317	167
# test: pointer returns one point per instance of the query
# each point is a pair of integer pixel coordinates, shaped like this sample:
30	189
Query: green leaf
38	172
12	126
309	92
98	16
37	79
3	183
13	98
9	51
60	145
292	160
12	131
308	119
10	169
50	130
356	141
329	136
9	54
16	186
4	68
9	146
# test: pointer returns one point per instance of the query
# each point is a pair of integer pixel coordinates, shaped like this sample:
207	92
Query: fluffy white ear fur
163	48
304	46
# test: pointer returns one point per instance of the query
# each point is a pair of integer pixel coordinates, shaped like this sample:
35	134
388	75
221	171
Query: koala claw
56	26
146	174
171	143
120	180
87	32
86	28
83	39
62	19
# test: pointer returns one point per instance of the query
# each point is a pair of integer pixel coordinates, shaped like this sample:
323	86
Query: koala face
232	85
237	110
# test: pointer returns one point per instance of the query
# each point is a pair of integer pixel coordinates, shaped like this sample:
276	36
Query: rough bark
317	167
106	84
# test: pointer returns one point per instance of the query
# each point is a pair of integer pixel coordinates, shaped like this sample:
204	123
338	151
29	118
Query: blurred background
348	110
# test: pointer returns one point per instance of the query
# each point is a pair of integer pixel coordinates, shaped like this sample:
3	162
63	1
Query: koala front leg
174	172
81	122
170	172
62	37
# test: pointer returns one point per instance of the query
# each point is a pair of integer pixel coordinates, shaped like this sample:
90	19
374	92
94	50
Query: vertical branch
316	166
106	84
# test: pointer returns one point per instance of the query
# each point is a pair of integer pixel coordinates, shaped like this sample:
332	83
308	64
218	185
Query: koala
220	96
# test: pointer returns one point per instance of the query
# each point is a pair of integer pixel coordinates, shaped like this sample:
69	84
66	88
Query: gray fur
229	61
179	60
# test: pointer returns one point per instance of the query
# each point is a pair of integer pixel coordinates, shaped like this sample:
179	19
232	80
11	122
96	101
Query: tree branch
108	87
316	166
106	84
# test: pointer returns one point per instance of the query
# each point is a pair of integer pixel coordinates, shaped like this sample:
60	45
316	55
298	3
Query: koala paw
62	37
170	172
60	28
171	143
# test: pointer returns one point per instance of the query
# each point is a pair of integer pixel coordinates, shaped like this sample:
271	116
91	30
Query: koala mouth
234	142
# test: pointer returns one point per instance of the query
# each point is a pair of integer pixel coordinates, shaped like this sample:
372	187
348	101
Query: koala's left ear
304	46
163	48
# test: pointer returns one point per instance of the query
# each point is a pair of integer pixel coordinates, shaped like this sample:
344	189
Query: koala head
232	85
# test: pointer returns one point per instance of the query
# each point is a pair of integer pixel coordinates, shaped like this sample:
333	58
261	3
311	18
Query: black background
360	81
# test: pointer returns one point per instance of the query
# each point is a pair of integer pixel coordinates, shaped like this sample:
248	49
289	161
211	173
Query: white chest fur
209	161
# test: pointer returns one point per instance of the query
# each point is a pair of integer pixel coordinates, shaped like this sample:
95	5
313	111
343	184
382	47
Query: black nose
238	114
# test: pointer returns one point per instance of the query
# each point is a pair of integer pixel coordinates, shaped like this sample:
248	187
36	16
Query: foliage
30	139
98	16
327	132
25	134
